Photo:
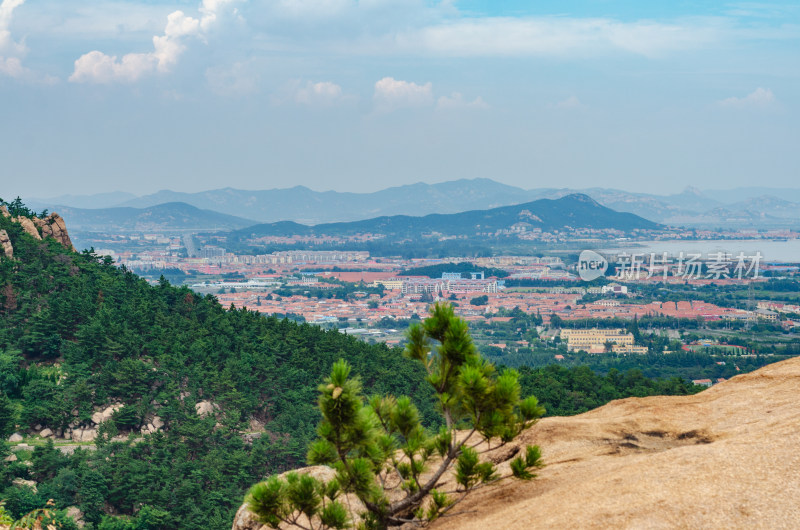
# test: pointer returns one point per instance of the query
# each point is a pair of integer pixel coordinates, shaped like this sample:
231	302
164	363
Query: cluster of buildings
450	283
600	340
217	255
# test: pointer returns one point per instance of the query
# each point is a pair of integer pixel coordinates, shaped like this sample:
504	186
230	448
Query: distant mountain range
755	207
575	211
171	216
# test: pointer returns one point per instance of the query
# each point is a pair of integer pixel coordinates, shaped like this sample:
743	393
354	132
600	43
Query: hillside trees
382	454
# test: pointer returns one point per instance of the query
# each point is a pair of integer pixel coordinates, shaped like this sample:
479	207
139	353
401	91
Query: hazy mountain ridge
575	211
174	215
737	208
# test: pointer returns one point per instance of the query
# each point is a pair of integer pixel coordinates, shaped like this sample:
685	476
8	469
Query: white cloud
323	93
760	97
97	67
559	36
10	62
456	101
392	94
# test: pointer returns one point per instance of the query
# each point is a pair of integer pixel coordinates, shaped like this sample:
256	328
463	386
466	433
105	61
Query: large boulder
4	211
104	415
15	438
28	226
25	483
46	433
74	513
205	408
84	435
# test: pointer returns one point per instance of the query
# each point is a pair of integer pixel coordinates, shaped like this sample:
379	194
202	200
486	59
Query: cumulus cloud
97	67
321	93
760	97
393	93
457	101
10	62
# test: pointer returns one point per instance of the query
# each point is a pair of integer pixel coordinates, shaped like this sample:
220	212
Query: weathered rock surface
26	483
205	408
105	414
76	515
55	227
5	245
16	437
46	433
51	226
84	435
4	211
28	226
725	458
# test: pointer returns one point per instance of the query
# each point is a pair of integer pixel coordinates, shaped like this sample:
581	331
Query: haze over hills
743	207
174	216
575	211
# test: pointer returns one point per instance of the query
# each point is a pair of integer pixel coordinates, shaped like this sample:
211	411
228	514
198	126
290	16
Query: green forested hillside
78	334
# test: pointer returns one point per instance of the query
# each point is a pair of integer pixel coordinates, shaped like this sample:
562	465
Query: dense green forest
78	334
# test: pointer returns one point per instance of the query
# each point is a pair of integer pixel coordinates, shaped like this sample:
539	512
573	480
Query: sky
360	95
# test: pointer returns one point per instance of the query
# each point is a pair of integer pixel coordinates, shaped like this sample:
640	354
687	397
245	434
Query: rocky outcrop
54	226
155	424
27	225
25	483
205	408
74	513
724	458
5	245
104	415
51	226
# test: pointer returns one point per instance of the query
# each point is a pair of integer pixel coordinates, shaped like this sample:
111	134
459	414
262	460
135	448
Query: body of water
771	251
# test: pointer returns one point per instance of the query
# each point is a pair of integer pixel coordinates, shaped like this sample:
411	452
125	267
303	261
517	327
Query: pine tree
382	454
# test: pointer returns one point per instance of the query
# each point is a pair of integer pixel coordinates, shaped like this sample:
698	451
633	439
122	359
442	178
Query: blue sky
102	95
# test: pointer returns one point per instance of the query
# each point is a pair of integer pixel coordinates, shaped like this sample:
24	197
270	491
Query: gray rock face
16	437
46	433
